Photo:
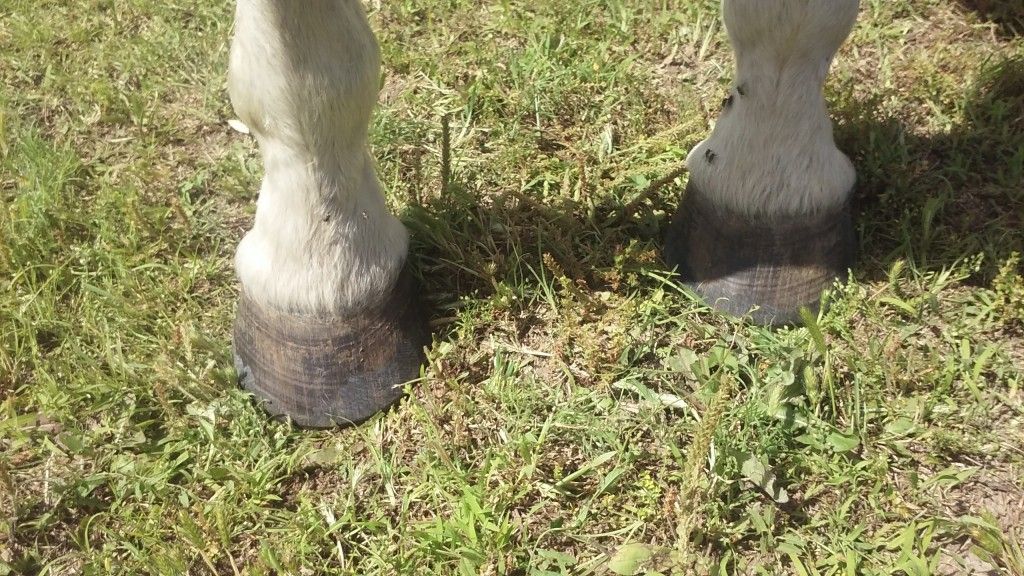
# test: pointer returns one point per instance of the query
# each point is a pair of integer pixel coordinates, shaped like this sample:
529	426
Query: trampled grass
580	411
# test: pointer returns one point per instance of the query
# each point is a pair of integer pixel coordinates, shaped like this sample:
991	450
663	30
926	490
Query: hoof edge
764	269
322	372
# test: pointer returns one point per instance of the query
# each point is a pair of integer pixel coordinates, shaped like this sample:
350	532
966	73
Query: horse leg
765	224
328	326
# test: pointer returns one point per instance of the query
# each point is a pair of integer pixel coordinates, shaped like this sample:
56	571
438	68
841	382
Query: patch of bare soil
996	492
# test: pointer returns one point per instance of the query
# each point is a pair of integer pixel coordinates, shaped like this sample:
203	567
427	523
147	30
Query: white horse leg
327	324
765	221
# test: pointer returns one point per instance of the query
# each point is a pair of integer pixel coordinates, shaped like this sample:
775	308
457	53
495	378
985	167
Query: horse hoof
766	269
322	371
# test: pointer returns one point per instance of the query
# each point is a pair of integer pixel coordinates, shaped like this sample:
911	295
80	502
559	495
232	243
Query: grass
580	414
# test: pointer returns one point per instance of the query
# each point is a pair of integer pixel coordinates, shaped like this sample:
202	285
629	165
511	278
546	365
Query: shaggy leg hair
304	76
771	152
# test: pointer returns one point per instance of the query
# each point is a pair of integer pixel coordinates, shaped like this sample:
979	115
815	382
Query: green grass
579	409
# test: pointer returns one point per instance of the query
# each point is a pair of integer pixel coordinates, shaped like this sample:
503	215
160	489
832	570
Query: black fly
710	156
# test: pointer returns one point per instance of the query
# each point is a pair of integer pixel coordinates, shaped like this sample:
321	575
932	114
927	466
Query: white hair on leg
772	152
304	76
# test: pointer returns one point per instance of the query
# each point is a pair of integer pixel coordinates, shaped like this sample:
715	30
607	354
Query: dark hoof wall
326	371
765	270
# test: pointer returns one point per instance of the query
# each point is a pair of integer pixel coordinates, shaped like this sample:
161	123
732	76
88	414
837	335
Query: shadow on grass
466	245
931	199
1007	15
938	199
